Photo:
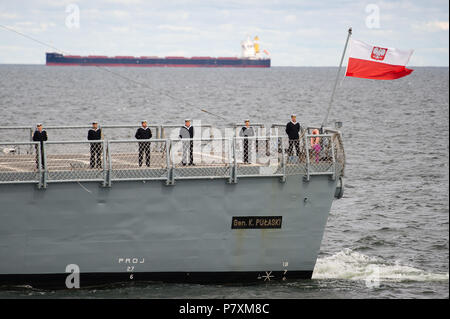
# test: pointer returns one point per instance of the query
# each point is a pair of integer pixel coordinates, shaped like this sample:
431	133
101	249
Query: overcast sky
295	32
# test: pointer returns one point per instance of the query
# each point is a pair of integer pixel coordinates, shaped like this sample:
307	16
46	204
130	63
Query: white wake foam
351	265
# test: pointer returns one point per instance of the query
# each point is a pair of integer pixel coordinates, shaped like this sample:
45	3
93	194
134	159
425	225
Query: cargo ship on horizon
250	57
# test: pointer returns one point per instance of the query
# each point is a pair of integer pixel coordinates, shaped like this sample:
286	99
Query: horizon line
272	66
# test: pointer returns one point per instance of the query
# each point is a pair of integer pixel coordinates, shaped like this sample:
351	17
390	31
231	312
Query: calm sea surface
388	236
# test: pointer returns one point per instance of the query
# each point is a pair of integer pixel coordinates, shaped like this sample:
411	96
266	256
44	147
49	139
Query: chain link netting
75	161
258	156
296	158
138	160
321	153
339	154
201	158
19	162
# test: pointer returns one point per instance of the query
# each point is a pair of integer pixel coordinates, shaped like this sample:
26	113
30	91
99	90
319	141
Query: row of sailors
142	133
293	129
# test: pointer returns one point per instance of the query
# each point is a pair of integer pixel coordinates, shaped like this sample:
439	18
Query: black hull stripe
57	281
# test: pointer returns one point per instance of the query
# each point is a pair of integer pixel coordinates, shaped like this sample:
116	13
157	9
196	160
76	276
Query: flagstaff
336	81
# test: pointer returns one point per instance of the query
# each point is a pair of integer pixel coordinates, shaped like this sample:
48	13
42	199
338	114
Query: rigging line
114	73
29	37
160	92
154	90
87	190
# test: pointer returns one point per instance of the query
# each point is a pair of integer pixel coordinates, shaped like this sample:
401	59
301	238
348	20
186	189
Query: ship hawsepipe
170	61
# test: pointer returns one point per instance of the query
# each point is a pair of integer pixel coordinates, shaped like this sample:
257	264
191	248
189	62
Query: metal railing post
170	164
333	177
173	163
44	163
31	140
158	136
307	157
107	158
39	163
234	180
169	180
223	149
283	159
230	158
341	148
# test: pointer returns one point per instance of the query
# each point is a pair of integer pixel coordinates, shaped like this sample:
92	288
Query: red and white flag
372	62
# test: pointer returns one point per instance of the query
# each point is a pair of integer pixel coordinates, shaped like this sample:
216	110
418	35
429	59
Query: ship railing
258	156
207	158
296	156
338	144
260	129
16	133
20	162
171	131
280	130
72	132
127	131
108	161
339	153
319	154
277	129
137	160
109	132
335	148
68	161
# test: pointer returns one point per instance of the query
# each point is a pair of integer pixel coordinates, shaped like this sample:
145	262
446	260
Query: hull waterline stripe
57	281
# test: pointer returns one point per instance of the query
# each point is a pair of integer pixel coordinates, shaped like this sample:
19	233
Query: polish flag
372	62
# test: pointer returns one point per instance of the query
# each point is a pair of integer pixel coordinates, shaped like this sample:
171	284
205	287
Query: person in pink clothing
315	144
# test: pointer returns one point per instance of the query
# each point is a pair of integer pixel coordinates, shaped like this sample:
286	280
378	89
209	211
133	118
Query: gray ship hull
149	231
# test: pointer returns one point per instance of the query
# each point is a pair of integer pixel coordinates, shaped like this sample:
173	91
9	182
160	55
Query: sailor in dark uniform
246	131
39	135
95	134
292	130
144	133
187	132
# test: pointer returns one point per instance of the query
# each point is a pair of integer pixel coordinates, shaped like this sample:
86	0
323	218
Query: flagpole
325	120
